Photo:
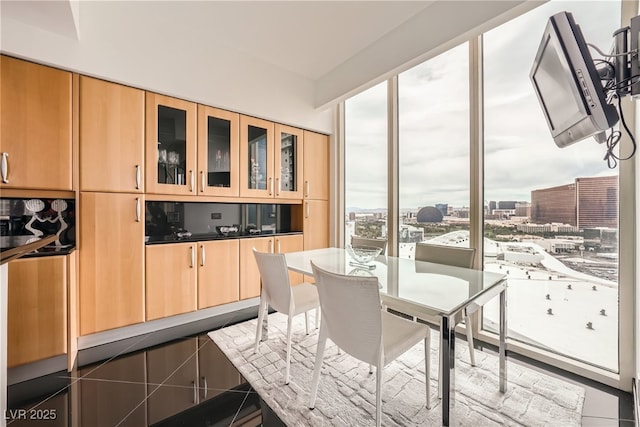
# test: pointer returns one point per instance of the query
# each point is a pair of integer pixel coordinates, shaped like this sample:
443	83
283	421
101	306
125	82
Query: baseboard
636	400
37	369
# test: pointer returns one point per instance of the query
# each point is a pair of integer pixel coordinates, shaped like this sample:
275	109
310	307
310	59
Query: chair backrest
351	313
449	255
363	241
275	280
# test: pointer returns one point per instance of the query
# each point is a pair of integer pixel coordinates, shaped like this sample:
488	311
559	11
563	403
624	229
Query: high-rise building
589	202
555	204
597	201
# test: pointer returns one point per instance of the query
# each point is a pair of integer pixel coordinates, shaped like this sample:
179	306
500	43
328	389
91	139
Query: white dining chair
278	293
364	241
353	319
454	256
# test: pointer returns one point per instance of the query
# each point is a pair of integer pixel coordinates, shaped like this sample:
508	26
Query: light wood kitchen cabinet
35	130
218	152
256	157
111	137
289	160
271	159
111	278
37	309
171	135
249	273
218	272
171	275
316	224
316	166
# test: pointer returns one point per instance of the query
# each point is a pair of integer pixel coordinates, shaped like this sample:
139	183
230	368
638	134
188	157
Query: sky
520	155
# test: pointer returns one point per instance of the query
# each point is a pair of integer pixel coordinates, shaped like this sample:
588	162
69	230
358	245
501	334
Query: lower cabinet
316	224
218	272
249	273
111	261
37	309
171	276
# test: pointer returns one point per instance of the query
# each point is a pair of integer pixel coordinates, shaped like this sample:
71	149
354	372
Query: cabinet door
288	162
111	137
175	368
171	145
111	281
285	244
256	157
218	152
35	130
249	273
316	224
316	166
218	272
171	279
37	309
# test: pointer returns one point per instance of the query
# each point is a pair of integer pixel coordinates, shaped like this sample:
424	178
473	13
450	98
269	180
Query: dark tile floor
162	379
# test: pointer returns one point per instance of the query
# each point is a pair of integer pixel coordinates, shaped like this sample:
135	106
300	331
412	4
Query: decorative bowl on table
363	256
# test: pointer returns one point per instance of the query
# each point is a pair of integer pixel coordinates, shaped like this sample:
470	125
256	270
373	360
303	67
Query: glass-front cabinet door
288	162
171	145
218	152
256	157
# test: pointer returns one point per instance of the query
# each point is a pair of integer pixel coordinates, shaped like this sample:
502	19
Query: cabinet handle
192	255
306	209
202	183
138	209
206	388
202	255
306	188
191	181
137	177
5	168
277	186
278	245
195	392
271	186
270	246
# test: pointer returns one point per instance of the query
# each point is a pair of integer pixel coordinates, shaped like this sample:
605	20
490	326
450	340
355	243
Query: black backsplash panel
24	220
169	220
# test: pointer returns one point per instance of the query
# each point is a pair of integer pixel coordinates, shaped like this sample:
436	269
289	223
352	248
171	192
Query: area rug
346	395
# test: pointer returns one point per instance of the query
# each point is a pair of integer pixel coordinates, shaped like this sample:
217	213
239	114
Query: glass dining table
416	287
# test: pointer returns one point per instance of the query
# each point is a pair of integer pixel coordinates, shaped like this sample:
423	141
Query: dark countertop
10	242
155	240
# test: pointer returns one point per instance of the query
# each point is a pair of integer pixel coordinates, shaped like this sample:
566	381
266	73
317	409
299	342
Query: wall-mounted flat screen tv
567	84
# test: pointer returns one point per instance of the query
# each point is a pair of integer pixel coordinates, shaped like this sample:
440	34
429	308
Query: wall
222	78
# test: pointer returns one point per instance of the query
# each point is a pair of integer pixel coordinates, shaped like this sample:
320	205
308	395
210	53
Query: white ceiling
322	50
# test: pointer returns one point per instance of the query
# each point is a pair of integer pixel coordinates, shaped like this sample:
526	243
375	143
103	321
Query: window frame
627	218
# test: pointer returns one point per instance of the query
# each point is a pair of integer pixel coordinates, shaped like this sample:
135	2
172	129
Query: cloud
519	153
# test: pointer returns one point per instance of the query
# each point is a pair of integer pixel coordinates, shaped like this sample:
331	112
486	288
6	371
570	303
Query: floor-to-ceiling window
365	191
551	215
433	152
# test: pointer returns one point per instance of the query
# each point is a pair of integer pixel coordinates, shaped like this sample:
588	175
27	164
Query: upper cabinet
256	157
288	162
218	152
111	137
35	130
171	145
271	159
316	166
